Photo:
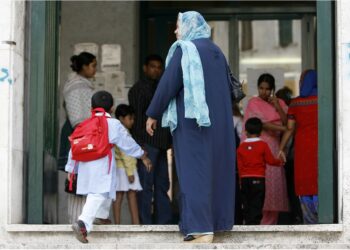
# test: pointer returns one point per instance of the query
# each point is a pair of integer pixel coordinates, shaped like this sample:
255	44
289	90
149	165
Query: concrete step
168	237
173	246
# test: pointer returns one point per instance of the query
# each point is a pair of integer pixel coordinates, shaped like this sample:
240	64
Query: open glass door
282	47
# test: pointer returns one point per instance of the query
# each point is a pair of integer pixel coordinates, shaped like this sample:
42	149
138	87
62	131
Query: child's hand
70	175
131	179
147	162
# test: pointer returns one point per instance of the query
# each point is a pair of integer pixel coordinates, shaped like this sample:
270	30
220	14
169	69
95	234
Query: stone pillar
12	26
343	110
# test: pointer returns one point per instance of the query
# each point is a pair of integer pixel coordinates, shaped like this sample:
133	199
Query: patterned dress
276	196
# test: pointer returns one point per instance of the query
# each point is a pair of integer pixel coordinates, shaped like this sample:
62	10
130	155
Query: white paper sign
113	82
99	81
111	57
86	47
116	82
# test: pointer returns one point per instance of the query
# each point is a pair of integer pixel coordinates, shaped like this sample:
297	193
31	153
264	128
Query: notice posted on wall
111	57
86	47
113	82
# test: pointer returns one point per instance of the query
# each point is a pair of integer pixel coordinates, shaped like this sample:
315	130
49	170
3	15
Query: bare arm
273	127
287	134
282	114
274	100
270	158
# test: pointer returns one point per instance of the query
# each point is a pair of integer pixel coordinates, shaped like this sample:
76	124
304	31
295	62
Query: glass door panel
220	35
270	46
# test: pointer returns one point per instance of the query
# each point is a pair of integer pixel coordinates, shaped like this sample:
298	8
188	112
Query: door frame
324	11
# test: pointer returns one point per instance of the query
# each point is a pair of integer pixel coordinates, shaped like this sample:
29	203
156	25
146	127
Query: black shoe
204	238
189	238
80	232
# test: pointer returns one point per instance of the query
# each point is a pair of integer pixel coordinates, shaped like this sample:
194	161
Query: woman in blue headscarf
303	122
193	99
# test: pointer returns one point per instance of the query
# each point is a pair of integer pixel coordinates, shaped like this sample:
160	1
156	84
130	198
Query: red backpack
89	141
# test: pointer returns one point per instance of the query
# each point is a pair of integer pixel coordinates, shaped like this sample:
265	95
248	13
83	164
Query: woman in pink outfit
272	112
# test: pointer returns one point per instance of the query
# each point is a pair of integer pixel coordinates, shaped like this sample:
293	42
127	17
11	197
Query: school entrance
284	37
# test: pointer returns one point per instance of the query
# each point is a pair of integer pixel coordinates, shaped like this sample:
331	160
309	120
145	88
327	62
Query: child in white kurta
94	178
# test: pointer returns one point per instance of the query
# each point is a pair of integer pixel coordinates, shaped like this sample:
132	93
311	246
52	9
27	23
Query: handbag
236	87
71	189
66	131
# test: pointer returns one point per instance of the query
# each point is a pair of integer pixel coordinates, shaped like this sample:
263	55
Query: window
246	36
285	28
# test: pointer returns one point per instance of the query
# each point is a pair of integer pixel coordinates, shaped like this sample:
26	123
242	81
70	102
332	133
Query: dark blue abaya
205	156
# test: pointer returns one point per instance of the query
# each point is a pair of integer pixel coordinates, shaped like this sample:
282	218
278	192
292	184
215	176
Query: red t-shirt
252	156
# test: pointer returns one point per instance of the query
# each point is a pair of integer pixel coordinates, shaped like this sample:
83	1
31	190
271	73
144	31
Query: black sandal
204	238
189	238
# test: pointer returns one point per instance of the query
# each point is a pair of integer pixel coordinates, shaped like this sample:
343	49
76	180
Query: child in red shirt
252	156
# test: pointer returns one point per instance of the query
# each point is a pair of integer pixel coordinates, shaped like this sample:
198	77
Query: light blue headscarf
191	26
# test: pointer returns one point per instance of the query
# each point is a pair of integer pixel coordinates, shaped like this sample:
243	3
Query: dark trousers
253	195
238	203
295	209
155	185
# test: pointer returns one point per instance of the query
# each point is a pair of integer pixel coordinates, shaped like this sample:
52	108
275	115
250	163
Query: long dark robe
205	156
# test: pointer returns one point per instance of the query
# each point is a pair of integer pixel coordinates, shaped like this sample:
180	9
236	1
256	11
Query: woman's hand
274	101
151	125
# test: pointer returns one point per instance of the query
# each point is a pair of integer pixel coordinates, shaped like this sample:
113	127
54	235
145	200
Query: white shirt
93	176
237	125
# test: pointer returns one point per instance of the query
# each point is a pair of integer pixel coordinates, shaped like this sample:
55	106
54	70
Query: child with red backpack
92	157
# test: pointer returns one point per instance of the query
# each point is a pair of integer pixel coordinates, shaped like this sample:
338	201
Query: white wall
343	108
5	63
12	25
100	22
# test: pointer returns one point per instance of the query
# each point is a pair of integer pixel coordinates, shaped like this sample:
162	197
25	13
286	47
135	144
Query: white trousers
97	205
75	207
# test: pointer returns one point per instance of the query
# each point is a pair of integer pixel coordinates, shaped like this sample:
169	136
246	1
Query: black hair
153	57
123	110
285	94
253	126
266	77
102	99
78	61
